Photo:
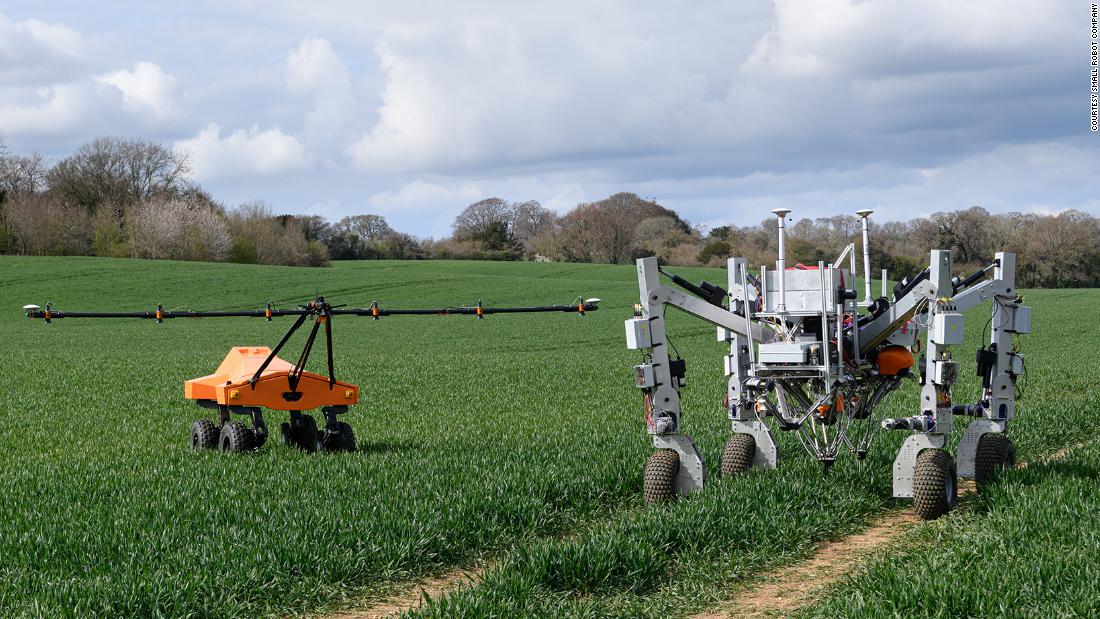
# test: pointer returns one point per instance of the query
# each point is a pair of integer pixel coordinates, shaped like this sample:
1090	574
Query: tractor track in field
775	593
413	595
790	588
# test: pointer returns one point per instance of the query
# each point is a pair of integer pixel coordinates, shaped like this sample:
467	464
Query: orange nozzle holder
160	314
267	312
374	310
46	314
480	312
580	308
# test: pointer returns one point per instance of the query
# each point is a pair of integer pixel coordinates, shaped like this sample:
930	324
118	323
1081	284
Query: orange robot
252	378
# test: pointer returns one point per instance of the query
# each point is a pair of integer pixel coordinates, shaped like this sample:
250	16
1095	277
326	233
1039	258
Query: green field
517	439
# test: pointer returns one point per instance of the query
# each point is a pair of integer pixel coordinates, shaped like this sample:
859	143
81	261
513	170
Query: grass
689	555
1025	549
517	437
1028	547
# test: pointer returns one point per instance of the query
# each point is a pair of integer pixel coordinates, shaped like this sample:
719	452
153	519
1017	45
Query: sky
720	110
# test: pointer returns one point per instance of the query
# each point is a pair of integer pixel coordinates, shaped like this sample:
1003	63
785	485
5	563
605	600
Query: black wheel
995	454
236	437
284	427
660	476
935	490
301	432
250	438
339	437
204	435
737	454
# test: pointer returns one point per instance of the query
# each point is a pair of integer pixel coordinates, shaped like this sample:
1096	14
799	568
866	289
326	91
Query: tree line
131	198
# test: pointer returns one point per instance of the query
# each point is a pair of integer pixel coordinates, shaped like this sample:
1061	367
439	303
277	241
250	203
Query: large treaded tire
995	454
302	436
738	453
258	439
204	435
235	438
935	485
341	438
661	470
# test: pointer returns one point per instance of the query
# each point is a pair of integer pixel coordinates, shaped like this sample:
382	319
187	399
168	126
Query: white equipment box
787	353
947	329
643	376
637	334
1019	319
803	288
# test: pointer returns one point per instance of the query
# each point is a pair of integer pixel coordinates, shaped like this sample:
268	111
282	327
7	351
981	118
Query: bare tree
604	231
117	171
261	237
485	221
175	229
529	219
368	229
21	175
38	227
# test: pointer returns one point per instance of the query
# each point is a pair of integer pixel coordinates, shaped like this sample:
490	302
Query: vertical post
1002	396
855	312
665	395
884	284
824	316
764	299
741	358
932	396
737	365
781	262
748	310
864	214
838	301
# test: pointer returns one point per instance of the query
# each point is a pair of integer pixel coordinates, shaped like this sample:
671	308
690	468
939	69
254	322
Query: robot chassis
803	355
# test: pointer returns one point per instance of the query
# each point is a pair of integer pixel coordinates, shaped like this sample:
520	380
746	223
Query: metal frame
831	396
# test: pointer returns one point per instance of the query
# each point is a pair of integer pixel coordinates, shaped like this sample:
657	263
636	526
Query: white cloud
242	153
476	88
522	87
47	87
46	110
420	195
313	67
36	53
314	71
147	89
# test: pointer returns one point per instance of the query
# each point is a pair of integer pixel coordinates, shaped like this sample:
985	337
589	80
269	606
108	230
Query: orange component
229	384
893	359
